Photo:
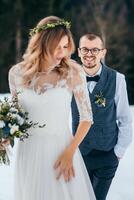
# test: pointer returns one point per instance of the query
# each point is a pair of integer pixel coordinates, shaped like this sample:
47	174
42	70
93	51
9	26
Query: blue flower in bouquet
6	132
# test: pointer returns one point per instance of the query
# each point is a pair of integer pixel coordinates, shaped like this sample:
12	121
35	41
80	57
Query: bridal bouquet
14	123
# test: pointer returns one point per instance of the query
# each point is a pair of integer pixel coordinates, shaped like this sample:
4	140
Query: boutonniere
100	100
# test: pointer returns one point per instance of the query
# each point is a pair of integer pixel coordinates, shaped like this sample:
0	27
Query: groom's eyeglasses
93	51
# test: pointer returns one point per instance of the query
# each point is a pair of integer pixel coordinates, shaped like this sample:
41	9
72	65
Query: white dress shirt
124	118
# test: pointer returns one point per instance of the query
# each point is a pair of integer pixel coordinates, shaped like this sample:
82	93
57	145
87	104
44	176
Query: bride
48	164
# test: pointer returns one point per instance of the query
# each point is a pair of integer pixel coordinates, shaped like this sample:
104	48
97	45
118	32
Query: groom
111	133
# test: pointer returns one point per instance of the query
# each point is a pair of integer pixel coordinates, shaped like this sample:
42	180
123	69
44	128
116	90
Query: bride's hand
5	143
2	147
64	165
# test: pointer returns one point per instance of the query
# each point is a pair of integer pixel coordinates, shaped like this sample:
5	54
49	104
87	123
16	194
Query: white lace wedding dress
48	101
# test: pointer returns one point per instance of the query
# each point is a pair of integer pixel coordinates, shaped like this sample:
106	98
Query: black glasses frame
92	51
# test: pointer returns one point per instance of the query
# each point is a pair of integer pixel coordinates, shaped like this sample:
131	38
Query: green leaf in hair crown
40	28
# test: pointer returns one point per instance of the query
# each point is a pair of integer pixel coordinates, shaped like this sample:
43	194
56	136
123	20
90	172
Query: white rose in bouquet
2	124
13	129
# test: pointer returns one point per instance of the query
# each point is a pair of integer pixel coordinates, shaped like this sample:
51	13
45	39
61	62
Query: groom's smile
89	61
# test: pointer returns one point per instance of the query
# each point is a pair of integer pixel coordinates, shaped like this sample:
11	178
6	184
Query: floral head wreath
40	28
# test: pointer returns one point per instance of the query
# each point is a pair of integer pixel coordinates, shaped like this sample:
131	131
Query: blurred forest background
114	20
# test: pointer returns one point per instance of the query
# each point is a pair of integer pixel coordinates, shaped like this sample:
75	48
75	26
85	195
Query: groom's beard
89	62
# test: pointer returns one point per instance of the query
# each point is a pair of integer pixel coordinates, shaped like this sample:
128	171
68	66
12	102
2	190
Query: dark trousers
101	167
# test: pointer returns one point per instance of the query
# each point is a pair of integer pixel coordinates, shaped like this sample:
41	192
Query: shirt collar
98	72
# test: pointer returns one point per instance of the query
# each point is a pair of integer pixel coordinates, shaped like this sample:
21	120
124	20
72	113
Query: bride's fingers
57	164
66	177
2	147
73	172
6	142
67	174
64	173
70	174
59	175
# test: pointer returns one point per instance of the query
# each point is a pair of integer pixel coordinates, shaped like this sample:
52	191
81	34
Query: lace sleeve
11	80
80	91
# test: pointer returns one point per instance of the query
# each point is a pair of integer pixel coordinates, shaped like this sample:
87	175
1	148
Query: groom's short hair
92	36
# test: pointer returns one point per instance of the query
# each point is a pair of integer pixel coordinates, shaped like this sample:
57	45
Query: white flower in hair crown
40	28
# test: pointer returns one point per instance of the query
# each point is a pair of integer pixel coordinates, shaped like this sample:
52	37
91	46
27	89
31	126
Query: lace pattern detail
75	83
81	94
14	79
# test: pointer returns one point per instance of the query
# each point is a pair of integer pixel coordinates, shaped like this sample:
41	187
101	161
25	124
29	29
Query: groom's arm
75	115
123	116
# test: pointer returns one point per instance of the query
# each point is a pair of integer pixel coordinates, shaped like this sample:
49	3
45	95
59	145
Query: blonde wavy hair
43	44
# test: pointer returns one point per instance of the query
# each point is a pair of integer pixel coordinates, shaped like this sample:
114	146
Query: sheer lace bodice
74	83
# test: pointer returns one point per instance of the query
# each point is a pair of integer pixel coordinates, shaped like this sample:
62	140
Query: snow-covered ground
122	187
